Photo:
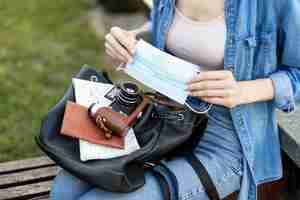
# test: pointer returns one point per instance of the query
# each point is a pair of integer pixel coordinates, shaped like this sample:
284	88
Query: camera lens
128	94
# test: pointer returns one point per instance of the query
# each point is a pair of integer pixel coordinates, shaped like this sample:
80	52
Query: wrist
256	90
244	96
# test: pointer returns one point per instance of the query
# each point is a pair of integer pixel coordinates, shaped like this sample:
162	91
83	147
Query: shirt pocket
264	56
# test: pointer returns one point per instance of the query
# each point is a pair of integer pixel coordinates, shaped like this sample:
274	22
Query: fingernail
132	51
192	79
129	60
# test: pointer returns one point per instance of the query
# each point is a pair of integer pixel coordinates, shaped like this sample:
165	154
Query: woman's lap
219	151
150	191
66	186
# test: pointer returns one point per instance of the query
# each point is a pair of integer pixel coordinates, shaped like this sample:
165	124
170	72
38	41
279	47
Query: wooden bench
32	179
26	179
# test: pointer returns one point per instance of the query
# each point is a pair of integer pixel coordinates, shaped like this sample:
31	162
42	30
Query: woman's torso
183	38
208	52
250	53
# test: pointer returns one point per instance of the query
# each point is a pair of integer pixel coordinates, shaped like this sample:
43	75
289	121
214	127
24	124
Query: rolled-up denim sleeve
286	79
284	96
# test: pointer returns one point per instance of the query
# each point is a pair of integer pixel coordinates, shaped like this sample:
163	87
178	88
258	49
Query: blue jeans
219	151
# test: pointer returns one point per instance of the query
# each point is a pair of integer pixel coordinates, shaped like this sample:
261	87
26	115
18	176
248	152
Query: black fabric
158	136
204	177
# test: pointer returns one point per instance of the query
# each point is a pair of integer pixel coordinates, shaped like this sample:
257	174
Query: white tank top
199	42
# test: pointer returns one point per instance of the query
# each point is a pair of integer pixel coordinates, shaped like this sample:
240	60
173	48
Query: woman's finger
117	46
110	53
124	38
212	93
227	102
212	75
214	100
110	40
205	85
114	54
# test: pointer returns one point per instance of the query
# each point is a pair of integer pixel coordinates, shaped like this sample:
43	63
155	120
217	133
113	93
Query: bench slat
27	177
26	191
14	166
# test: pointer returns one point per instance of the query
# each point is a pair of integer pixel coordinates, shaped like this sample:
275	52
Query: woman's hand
217	87
119	45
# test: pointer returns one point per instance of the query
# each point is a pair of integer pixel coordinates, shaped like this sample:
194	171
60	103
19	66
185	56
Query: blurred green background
42	44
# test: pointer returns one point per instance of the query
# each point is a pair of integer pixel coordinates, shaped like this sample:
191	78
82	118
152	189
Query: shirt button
231	68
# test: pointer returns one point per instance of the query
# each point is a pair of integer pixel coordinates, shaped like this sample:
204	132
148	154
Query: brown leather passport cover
78	124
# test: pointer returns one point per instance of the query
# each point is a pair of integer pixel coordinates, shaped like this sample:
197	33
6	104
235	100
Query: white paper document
90	151
86	93
161	71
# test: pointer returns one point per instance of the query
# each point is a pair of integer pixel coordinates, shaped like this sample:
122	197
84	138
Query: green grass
42	44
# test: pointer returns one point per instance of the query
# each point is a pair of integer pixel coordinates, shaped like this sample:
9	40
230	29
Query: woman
250	55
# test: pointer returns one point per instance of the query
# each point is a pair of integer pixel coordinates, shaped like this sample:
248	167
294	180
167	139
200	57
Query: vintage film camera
127	104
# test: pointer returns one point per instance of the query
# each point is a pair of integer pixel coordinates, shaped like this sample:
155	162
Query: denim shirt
263	40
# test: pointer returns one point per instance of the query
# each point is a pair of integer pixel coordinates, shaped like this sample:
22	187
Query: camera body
114	119
127	97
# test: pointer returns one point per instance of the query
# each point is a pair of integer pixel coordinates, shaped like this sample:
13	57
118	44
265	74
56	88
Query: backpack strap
203	175
163	185
167	180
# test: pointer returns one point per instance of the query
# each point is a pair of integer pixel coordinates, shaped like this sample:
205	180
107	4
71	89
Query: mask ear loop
199	112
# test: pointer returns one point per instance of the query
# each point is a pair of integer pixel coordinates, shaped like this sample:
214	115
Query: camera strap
163	100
